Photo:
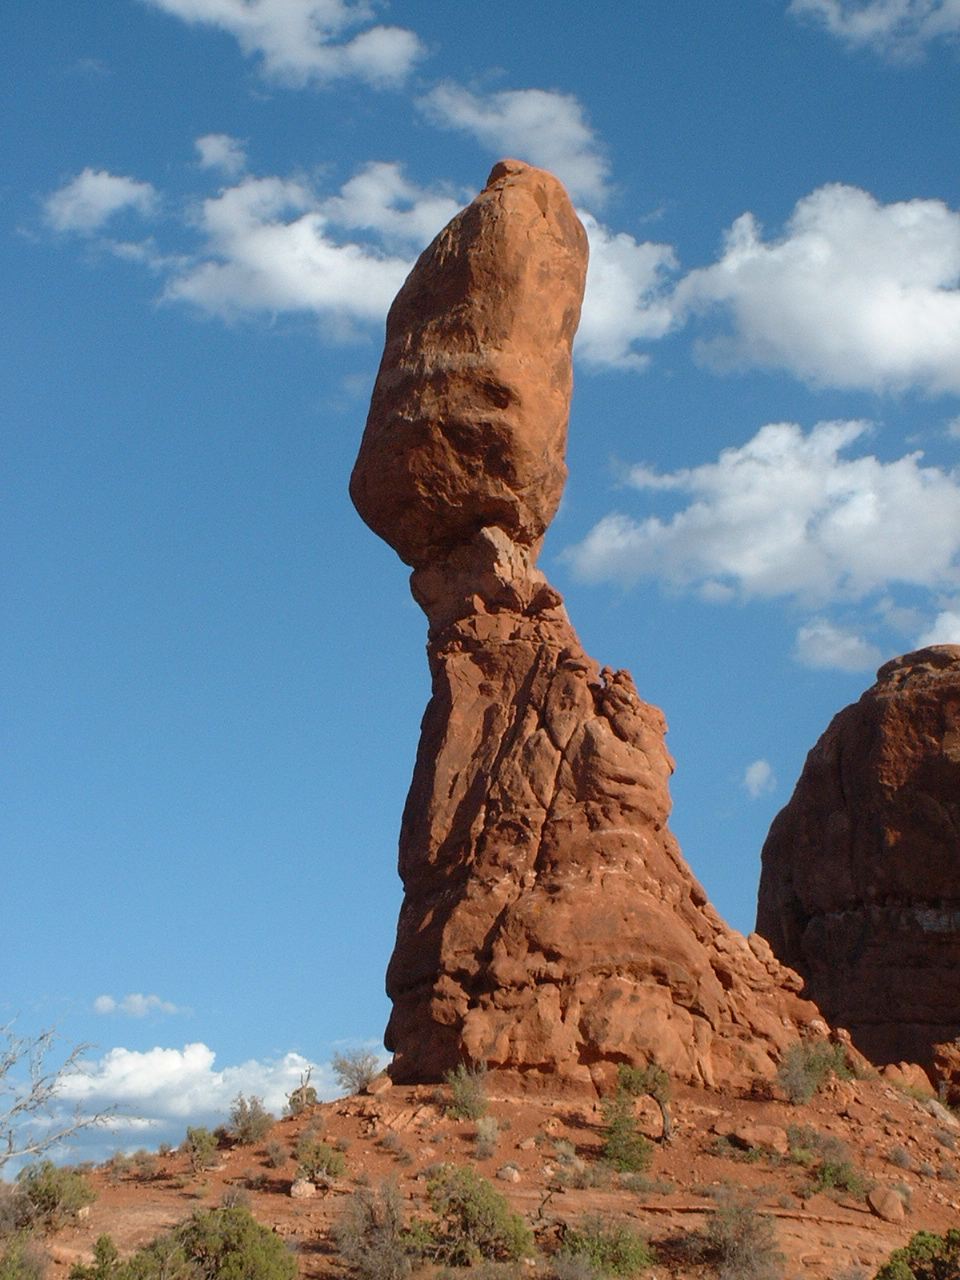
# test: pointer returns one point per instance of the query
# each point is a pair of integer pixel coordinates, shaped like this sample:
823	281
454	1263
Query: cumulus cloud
626	299
822	644
540	126
787	515
379	198
945	628
89	200
299	41
221	152
267	249
855	294
758	778
134	1005
898	27
162	1084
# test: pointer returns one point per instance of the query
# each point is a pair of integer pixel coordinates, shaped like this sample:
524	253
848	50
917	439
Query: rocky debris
302	1189
550	928
860	887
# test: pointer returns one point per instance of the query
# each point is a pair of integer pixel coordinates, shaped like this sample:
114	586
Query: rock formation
860	889
550	927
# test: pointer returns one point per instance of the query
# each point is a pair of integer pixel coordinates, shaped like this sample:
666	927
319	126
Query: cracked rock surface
860	888
550	927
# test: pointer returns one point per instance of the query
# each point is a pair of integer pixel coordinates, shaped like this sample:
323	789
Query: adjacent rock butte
550	927
860	888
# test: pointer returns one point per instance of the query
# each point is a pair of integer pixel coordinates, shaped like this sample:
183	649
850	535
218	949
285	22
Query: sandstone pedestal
550	928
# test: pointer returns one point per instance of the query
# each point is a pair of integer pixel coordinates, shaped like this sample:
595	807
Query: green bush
21	1259
468	1097
250	1121
201	1147
925	1257
741	1242
624	1146
839	1175
355	1070
317	1159
371	1236
52	1195
213	1244
807	1066
473	1221
610	1248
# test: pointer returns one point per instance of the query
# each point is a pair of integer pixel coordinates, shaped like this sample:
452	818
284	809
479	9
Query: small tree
303	1096
653	1081
355	1070
30	1121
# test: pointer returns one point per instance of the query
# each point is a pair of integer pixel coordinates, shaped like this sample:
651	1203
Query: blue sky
213	674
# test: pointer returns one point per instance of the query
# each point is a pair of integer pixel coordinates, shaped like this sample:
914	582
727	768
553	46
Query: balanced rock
860	887
550	927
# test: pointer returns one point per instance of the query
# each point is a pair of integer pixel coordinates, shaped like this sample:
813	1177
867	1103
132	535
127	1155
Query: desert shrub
653	1082
371	1237
106	1262
610	1248
925	1257
948	1172
53	1195
249	1120
473	1221
235	1198
212	1244
468	1097
144	1163
276	1155
808	1145
485	1140
624	1146
254	1179
741	1242
21	1258
317	1159
900	1157
355	1070
201	1146
807	1066
839	1175
15	1211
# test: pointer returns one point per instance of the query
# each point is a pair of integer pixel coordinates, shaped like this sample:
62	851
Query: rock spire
550	927
860	888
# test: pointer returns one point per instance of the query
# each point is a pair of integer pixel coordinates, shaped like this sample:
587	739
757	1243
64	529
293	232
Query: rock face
860	889
550	927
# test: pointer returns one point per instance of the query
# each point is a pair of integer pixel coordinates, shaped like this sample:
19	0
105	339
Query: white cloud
267	249
536	125
945	629
823	645
856	294
297	40
89	200
786	515
953	428
379	198
163	1084
626	299
897	27
134	1005
758	778
221	152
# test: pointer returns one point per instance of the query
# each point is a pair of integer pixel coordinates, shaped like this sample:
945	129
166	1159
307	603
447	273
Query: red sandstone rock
886	1204
550	927
860	888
